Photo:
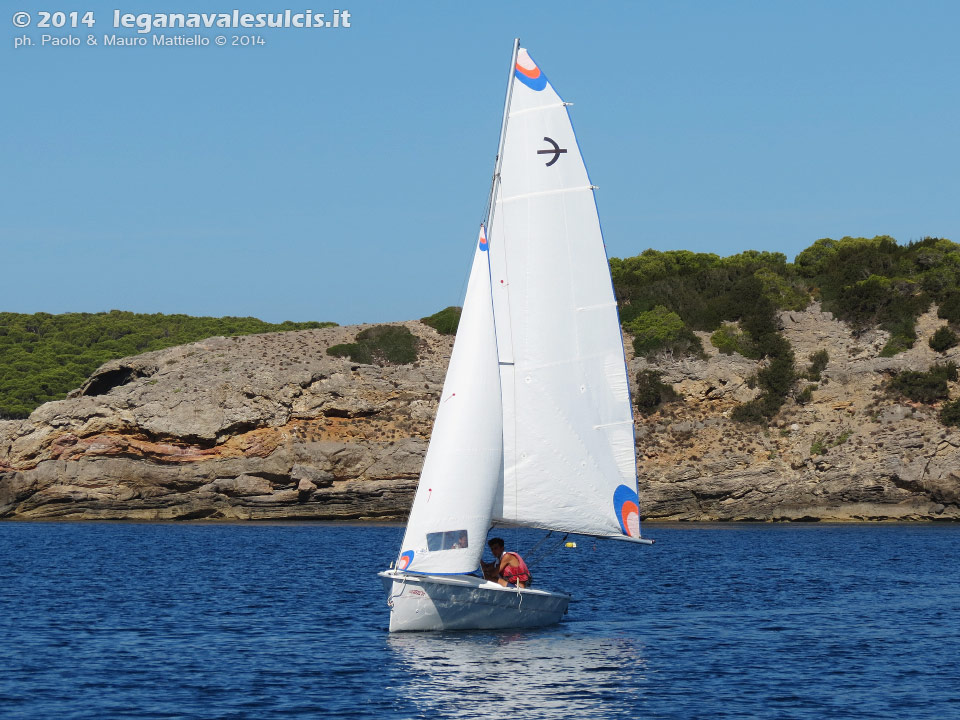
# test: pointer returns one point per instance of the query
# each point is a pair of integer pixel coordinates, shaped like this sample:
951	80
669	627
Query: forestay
450	516
568	439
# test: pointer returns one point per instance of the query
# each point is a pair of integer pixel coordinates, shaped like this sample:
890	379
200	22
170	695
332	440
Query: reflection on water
547	673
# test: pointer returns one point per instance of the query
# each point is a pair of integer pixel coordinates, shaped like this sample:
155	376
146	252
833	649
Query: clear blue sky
341	174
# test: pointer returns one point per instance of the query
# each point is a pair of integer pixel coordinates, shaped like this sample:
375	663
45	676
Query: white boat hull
466	602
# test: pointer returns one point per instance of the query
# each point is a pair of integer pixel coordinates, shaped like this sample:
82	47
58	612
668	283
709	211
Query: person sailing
509	568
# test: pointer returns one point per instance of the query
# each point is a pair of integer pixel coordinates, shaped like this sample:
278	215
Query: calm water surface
289	621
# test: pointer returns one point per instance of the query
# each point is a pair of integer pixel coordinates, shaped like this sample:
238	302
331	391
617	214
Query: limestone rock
271	427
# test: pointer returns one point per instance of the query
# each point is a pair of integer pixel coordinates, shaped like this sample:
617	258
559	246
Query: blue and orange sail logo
528	73
626	504
483	239
405	559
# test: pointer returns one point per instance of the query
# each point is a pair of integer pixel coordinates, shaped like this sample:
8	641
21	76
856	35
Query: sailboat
534	427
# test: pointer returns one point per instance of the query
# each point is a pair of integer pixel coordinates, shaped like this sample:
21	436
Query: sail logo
528	73
556	150
483	240
404	562
626	503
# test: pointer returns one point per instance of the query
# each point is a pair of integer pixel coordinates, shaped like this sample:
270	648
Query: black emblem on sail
555	151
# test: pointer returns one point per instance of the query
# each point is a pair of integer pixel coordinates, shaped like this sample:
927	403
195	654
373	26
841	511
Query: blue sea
289	621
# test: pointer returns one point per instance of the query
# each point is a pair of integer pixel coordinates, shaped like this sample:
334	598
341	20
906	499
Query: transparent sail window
448	540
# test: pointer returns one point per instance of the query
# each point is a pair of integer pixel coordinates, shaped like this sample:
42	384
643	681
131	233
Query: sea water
289	621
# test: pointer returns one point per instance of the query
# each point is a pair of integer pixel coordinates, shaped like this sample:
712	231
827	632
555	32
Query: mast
491	205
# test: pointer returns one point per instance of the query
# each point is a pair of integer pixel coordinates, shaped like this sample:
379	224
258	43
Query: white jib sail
569	460
450	516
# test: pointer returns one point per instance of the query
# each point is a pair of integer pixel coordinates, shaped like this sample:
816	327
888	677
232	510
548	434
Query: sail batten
613	424
516	113
542	193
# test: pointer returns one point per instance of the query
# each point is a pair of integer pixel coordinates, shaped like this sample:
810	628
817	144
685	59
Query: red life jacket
520	573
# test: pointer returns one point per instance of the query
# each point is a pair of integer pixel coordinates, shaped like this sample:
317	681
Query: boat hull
466	602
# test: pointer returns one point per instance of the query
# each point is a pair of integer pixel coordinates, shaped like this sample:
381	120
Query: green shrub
729	339
391	343
775	382
818	363
950	413
862	300
759	410
806	395
944	339
652	392
925	387
903	336
785	292
660	329
381	345
816	259
750	412
358	352
949	309
822	443
778	377
444	322
896	345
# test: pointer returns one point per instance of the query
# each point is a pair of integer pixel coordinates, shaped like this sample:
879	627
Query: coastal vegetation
822	443
44	356
664	296
875	281
818	363
925	387
805	396
950	413
867	282
444	322
380	345
661	330
730	339
652	392
944	339
949	309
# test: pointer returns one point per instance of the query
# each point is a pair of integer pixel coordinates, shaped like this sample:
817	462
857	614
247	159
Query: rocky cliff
271	427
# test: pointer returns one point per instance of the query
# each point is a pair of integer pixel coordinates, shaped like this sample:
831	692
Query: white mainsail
568	441
450	516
